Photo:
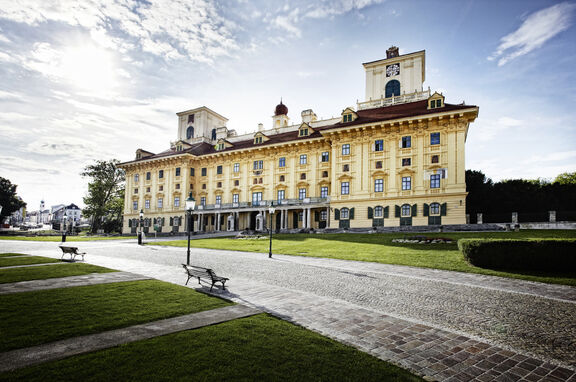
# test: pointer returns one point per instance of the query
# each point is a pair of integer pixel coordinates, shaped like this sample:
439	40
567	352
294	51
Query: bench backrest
68	249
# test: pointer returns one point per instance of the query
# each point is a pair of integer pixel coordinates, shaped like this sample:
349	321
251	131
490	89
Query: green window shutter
386	212
443	209
414	209
130	223
171	221
370	212
316	216
336	214
154	221
351	213
426	210
163	221
397	211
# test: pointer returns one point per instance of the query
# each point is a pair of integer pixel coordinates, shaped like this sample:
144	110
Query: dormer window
257	140
347	118
348	115
304	132
220	146
436	101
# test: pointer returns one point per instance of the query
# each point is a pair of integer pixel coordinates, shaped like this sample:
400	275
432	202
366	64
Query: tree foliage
105	199
8	200
566	178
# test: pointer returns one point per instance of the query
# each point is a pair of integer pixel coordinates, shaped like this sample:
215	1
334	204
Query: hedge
537	254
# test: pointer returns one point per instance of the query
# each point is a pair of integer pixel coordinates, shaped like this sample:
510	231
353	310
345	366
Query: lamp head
141	213
190	202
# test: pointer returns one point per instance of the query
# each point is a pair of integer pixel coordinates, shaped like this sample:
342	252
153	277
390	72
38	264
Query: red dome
281	109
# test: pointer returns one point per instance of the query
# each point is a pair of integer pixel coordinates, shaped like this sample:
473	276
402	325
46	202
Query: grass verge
12	254
68	238
12	261
39	273
258	348
380	248
32	318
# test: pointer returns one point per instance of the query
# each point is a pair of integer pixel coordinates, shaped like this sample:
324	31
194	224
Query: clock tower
395	75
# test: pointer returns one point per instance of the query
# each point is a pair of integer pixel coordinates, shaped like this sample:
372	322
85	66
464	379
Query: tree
8	200
105	199
566	178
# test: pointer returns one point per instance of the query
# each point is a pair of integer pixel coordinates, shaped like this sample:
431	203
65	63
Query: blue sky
96	79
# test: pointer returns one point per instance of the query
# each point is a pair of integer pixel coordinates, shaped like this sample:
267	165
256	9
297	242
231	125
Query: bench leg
189	277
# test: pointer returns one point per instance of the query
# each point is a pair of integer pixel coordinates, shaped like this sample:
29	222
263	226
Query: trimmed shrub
537	254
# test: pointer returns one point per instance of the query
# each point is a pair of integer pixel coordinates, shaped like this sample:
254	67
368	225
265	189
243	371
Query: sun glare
89	68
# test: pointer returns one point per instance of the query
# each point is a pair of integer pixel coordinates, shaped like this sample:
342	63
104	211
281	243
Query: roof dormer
141	154
435	101
349	115
259	138
222	144
305	130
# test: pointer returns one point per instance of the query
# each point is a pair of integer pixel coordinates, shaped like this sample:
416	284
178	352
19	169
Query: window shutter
370	212
426	209
351	213
171	221
443	209
386	212
397	211
414	210
180	221
163	221
130	223
316	216
154	221
336	214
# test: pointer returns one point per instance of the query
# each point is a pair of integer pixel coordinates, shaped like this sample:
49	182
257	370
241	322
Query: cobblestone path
445	325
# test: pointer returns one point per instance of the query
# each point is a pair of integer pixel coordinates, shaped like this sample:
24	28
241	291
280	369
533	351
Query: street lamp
64	227
190	204
141	224
271	210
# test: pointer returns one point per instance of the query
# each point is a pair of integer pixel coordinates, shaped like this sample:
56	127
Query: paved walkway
78	345
446	325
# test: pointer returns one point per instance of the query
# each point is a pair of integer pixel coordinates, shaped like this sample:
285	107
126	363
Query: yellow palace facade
395	159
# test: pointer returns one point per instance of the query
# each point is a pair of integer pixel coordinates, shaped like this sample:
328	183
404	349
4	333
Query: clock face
392	70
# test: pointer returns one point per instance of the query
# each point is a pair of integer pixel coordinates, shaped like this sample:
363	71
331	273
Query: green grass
10	261
68	238
380	248
258	348
32	318
12	254
39	273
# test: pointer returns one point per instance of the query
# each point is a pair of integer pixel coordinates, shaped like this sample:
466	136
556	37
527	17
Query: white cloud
538	28
489	129
552	157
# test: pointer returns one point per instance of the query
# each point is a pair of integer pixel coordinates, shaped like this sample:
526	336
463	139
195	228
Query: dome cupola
281	109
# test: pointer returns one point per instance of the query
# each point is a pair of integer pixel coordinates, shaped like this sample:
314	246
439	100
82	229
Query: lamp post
64	227
141	224
271	211
190	204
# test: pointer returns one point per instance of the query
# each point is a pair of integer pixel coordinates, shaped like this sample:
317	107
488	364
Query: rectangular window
235	198
177	171
281	194
160	188
219	185
325	156
435	181
177	186
135	206
406	161
379	185
303	159
282	162
177	201
379	145
256	198
406	142
258	164
148	176
346	149
236	167
323	215
160	202
204	171
219	170
161	174
218	199
435	158
379	164
345	188
378	212
203	201
435	138
301	193
135	190
147	203
147	189
438	103
406	183
323	192
191	171
136	178
346	167
236	182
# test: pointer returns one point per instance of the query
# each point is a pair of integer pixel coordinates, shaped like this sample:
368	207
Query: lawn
32	318
9	261
380	248
12	254
13	275
258	348
58	238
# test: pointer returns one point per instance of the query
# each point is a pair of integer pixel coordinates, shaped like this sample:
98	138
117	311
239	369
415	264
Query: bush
537	254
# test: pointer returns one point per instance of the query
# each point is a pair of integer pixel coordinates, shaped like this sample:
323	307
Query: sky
87	80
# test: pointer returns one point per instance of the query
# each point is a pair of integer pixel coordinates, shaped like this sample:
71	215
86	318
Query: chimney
260	127
308	116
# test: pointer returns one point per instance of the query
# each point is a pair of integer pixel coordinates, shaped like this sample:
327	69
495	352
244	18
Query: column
308	225
552	216
217	222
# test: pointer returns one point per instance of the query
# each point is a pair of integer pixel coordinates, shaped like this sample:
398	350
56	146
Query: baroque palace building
396	159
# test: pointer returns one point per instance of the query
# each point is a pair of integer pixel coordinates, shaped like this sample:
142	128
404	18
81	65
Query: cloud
562	156
492	128
170	29
536	30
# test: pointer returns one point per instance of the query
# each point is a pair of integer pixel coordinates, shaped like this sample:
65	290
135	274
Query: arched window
406	210
344	213
378	212
393	88
435	209
213	134
190	132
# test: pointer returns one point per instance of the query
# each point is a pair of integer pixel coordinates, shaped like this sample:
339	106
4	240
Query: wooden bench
72	251
204	273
